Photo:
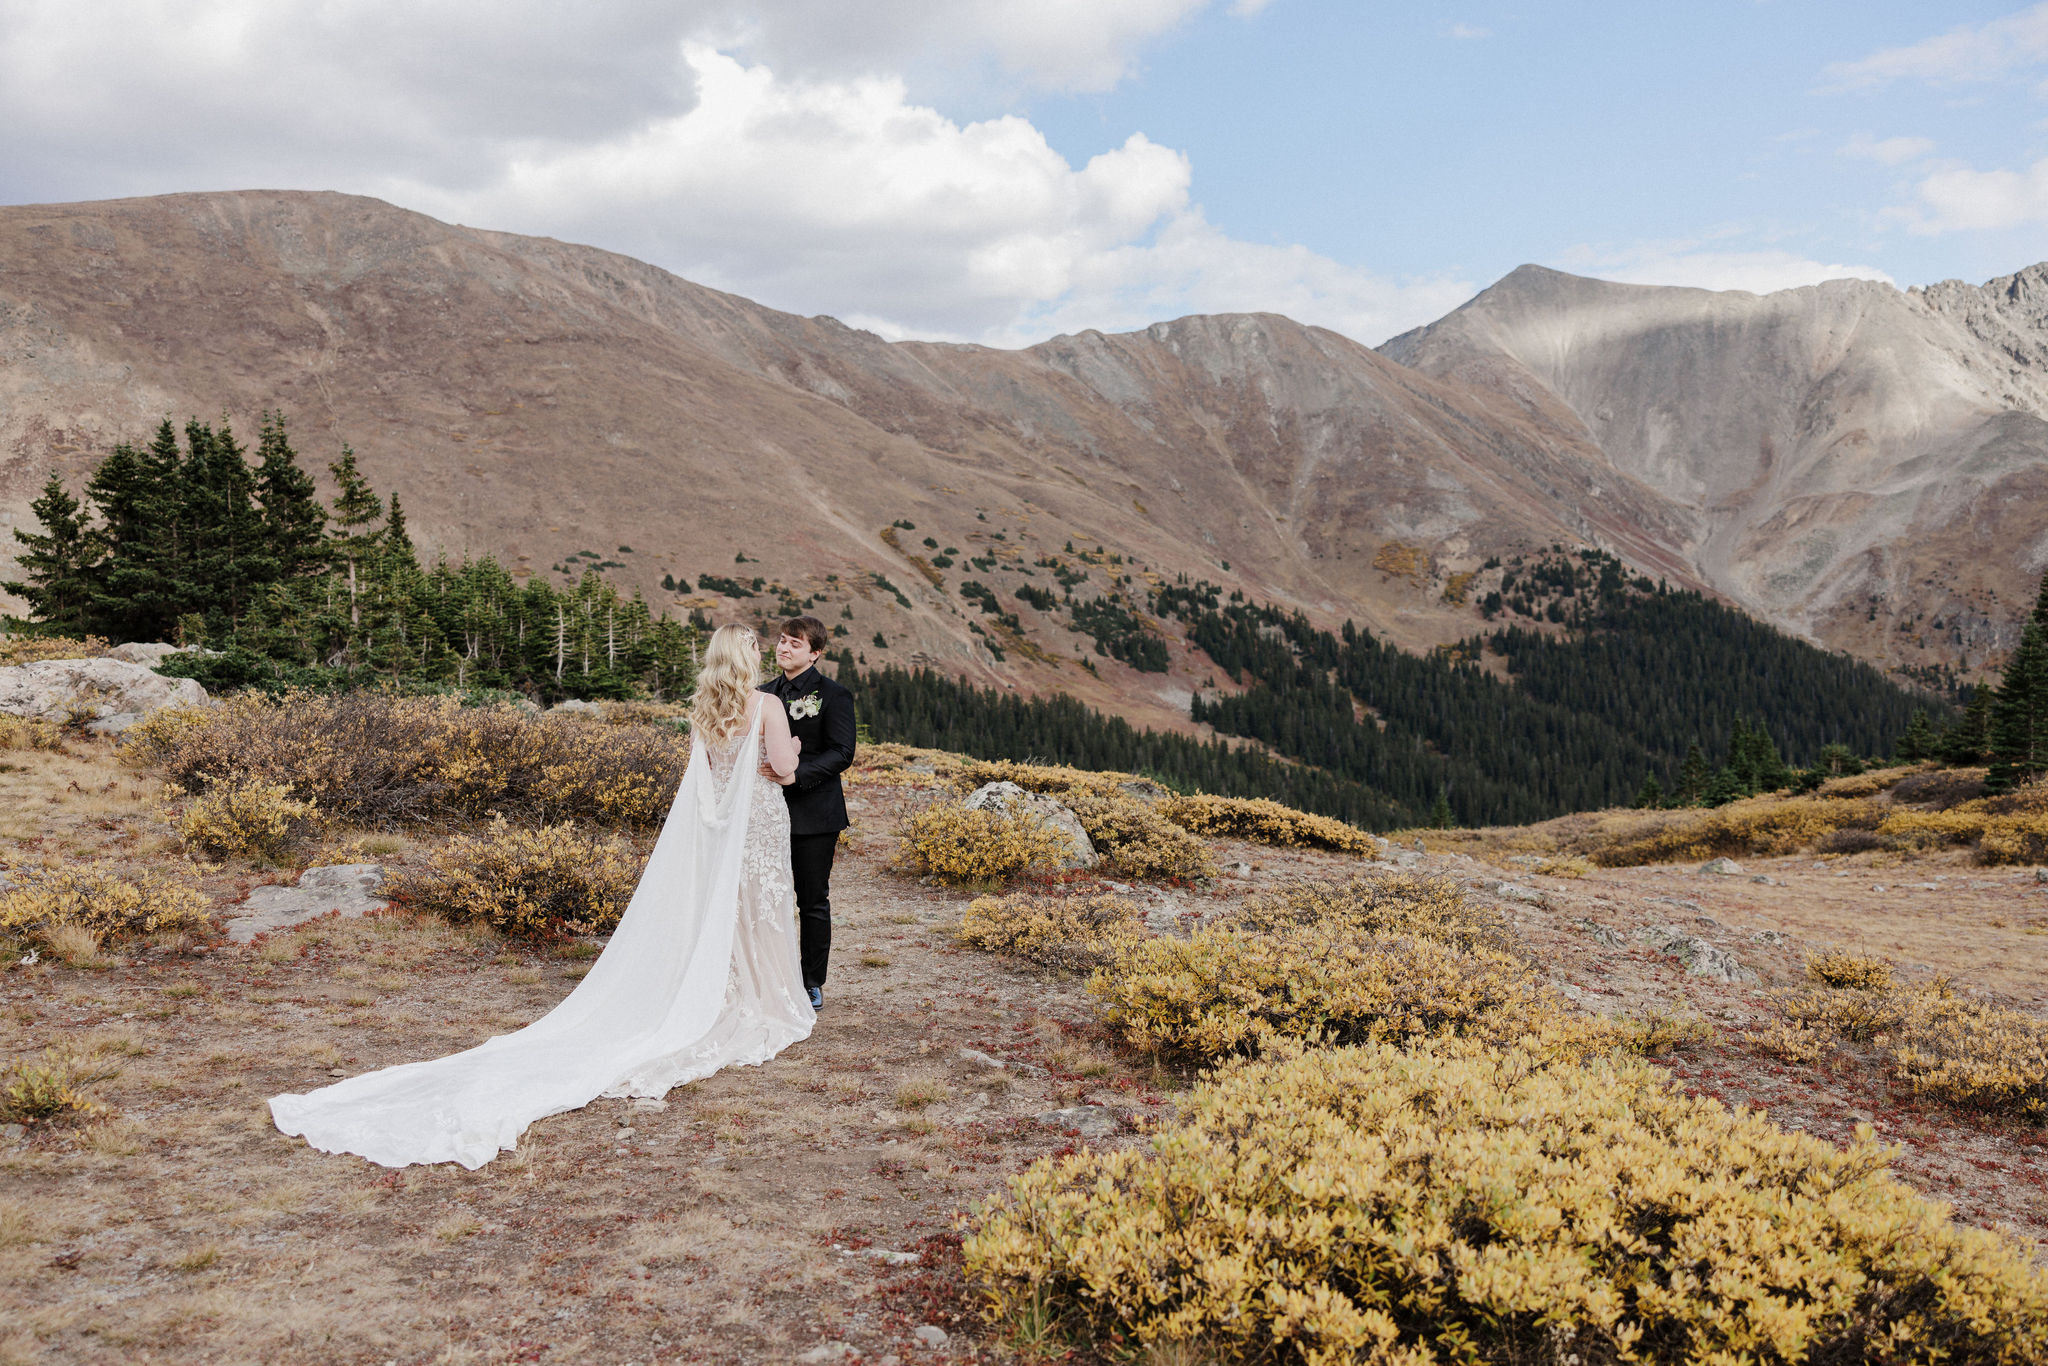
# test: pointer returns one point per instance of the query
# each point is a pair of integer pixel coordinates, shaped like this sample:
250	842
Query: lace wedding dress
702	973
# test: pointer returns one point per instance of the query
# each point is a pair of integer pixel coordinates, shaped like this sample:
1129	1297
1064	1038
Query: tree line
194	544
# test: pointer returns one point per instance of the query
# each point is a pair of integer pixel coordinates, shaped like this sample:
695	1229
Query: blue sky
999	170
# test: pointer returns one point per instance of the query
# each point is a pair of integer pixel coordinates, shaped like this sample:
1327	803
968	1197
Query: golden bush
1764	826
1971	1055
2014	839
1940	1045
1055	779
51	1090
251	820
1445	1204
1227	992
1867	784
376	759
157	736
1924	829
1790	1040
549	881
30	649
1657	1032
1067	933
1267	822
18	732
1393	904
1136	841
101	898
1853	971
953	844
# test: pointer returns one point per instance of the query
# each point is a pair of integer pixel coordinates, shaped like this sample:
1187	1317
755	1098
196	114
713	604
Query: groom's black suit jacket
817	804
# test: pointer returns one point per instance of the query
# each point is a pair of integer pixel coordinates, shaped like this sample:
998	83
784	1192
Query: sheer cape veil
645	1018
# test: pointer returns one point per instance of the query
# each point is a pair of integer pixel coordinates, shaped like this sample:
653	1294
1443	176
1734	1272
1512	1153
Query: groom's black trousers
810	859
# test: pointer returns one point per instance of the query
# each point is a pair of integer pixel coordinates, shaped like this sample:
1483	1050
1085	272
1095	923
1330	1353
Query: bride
701	973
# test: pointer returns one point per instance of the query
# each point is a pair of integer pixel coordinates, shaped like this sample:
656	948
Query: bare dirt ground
767	1214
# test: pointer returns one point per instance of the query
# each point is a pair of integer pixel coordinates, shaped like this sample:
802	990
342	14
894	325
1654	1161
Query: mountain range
1861	465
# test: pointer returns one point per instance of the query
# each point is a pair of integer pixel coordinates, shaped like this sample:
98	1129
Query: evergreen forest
190	539
194	544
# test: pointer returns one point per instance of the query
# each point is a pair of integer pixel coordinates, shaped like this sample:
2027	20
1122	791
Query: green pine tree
1440	812
2019	714
294	523
1918	742
1650	795
1968	741
1724	787
57	564
1693	776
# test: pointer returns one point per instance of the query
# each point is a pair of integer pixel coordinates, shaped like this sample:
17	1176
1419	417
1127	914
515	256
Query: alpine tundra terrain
1862	465
812	1209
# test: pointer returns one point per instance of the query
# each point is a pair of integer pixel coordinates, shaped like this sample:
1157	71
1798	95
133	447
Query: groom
821	719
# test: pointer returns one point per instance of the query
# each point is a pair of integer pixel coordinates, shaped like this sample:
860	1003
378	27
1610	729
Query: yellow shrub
1760	825
1790	1040
52	1090
1391	905
377	759
251	820
1849	970
1942	1046
154	738
29	649
1050	778
1226	992
953	844
1866	784
1919	829
1968	1054
1444	1205
2014	839
1268	822
18	732
1136	841
1068	933
548	881
1656	1032
101	899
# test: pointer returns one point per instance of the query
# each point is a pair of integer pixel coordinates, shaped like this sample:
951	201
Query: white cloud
774	150
1689	264
1971	52
1959	199
1462	30
1190	266
1888	151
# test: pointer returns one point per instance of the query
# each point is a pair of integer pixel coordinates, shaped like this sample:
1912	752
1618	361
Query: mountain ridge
531	397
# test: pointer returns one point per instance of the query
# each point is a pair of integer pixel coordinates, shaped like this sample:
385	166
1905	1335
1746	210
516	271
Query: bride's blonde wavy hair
725	685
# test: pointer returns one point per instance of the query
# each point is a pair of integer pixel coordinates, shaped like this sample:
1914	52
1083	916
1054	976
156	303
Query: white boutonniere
805	706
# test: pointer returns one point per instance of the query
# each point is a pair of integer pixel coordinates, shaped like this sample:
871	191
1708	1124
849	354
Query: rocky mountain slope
1861	465
536	399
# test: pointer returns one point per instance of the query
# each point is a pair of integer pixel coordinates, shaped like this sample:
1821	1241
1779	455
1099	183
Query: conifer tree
352	550
1919	741
2019	714
1650	795
1440	812
1968	741
227	556
57	563
1693	776
293	520
130	595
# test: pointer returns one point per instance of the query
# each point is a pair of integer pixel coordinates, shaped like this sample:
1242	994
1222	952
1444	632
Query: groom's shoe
817	997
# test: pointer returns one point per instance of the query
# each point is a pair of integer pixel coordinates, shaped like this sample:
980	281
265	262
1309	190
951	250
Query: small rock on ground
1091	1120
349	888
1721	867
930	1334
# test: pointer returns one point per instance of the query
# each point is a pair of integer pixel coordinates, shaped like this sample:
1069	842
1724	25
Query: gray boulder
1699	958
1079	849
148	654
1090	1121
1721	867
350	888
51	689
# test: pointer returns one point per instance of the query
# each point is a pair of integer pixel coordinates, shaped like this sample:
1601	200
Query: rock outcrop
1079	849
107	689
350	888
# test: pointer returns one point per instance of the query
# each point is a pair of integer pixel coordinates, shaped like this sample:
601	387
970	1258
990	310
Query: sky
999	171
